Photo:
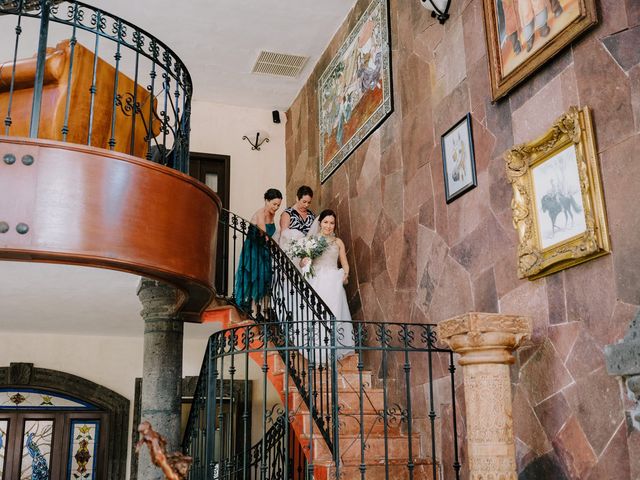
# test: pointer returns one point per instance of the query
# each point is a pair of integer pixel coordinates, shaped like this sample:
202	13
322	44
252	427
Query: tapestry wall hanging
354	91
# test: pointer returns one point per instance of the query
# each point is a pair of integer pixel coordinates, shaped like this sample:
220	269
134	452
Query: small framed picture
458	162
558	202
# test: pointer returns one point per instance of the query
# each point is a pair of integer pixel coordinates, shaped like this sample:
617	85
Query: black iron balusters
378	424
120	107
364	422
303	317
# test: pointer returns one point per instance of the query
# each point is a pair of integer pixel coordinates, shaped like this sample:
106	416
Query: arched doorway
57	426
45	435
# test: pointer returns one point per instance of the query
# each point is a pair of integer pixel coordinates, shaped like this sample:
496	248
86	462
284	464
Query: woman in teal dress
253	277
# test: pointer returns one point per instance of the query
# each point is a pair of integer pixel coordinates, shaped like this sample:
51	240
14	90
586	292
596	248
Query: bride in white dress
328	281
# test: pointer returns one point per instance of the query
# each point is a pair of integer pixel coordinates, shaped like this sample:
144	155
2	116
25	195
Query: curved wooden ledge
94	207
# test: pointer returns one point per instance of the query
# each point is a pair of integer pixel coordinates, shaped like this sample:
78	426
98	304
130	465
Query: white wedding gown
327	282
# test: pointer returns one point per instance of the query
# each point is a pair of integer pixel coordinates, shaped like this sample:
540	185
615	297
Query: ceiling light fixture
439	8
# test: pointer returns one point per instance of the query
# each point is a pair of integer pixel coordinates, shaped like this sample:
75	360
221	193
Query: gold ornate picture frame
523	35
558	203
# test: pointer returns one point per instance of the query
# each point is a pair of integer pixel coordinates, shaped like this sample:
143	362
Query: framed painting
458	161
558	203
523	34
354	91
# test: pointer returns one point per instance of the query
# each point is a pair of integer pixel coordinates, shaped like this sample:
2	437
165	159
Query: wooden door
53	445
214	171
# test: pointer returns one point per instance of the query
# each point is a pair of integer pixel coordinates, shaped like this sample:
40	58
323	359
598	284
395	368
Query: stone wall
417	259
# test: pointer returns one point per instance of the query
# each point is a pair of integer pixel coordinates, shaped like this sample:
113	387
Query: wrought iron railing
311	371
288	297
267	458
376	421
95	79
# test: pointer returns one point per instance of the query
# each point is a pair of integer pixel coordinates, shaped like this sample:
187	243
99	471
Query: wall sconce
256	145
439	8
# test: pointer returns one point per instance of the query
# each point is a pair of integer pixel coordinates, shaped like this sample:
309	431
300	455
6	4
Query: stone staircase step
373	425
350	448
346	383
422	470
348	363
350	424
349	403
397	447
349	380
347	367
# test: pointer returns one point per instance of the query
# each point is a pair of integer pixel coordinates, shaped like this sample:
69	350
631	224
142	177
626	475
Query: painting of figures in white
458	162
559	207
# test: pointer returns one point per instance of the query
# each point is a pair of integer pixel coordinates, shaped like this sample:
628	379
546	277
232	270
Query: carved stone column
162	367
485	342
623	360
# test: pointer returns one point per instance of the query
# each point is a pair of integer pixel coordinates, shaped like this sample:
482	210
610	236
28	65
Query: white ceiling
73	300
36	297
219	41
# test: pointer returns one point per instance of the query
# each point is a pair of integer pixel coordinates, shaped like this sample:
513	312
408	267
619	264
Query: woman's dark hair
327	213
304	190
272	194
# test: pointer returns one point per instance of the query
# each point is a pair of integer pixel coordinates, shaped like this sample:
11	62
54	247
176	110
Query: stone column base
485	342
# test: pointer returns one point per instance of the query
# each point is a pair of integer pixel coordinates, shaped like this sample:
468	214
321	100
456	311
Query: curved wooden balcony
75	204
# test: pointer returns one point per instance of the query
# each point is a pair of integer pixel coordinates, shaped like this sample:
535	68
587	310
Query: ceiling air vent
282	64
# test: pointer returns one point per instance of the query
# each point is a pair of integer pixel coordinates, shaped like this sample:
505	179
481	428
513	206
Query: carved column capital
159	299
484	337
485	342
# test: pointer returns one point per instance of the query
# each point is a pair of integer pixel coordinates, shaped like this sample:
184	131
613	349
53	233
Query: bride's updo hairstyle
328	213
272	194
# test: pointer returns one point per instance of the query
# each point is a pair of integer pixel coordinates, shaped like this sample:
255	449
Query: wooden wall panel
99	208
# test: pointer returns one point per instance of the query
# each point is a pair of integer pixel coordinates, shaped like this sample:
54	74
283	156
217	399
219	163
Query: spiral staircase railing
140	104
106	83
343	420
288	298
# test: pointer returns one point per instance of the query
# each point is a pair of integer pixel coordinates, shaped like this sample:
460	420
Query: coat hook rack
256	145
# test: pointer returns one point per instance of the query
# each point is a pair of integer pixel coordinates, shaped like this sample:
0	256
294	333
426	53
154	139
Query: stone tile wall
417	259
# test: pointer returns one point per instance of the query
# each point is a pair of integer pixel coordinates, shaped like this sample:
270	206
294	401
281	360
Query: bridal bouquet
308	247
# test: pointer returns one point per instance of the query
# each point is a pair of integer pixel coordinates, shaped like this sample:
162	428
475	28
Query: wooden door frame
221	280
25	375
227	172
60	439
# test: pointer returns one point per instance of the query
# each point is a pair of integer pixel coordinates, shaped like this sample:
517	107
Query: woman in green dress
253	277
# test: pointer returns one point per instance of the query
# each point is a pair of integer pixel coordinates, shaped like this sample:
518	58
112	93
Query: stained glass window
82	451
36	450
30	399
4	429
